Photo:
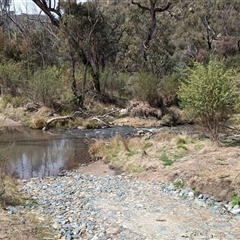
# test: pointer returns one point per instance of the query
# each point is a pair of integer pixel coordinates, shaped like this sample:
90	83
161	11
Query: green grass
235	199
178	183
181	146
166	160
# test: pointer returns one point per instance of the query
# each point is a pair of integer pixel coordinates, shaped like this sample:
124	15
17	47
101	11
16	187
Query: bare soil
23	226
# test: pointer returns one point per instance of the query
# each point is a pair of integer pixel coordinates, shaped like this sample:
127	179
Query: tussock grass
38	123
10	195
138	155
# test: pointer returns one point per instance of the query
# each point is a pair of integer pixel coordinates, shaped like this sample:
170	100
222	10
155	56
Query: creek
38	154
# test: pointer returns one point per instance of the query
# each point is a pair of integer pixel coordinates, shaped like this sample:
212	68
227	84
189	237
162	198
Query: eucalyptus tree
152	8
204	25
85	36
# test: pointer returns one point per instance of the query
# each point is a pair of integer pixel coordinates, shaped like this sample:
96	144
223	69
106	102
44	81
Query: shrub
47	86
12	78
168	89
114	83
17	101
209	92
166	160
145	89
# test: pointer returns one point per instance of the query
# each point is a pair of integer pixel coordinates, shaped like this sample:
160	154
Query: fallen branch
56	119
62	118
100	120
108	114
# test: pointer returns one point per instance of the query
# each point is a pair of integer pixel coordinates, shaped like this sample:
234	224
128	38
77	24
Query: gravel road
87	206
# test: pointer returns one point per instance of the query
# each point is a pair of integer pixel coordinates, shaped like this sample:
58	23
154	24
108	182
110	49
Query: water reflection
46	158
41	154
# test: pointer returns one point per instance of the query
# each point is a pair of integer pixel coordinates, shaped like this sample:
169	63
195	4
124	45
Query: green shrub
17	101
209	92
168	89
145	88
114	83
47	86
12	78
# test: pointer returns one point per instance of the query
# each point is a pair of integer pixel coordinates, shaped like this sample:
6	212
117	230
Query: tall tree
152	8
83	26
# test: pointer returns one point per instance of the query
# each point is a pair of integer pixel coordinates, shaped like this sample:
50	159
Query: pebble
85	206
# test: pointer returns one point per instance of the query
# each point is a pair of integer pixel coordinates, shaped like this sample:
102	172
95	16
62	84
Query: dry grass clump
10	194
5	183
8	188
97	149
164	136
117	151
38	123
139	154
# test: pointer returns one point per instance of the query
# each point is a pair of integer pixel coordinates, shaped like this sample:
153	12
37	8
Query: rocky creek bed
87	206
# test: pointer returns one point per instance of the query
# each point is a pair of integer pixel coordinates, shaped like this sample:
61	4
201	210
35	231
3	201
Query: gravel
85	206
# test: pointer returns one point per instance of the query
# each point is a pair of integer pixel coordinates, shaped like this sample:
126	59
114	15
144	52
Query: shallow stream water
40	154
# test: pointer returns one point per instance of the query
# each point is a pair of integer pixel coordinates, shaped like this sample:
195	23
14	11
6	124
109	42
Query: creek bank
87	206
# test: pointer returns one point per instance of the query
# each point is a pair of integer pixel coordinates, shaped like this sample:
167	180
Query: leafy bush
145	88
209	92
168	89
47	86
12	78
114	83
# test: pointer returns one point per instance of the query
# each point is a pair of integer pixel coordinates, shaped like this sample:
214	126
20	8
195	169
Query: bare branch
153	21
163	9
140	6
49	11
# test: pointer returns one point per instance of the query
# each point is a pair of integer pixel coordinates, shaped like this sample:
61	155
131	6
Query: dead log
56	119
100	118
61	118
101	121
